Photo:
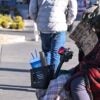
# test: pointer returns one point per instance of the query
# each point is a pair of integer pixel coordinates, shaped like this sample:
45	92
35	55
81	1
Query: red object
61	50
94	77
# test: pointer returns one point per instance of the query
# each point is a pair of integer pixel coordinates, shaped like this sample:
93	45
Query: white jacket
50	14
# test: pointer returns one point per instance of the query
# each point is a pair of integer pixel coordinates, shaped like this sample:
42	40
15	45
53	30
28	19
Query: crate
40	77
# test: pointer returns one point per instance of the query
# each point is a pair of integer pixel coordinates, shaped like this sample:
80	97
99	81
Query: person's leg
58	40
46	46
78	89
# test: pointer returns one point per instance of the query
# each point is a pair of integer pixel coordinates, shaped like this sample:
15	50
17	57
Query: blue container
35	63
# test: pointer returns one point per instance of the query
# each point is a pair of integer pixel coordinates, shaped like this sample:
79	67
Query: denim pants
78	89
51	42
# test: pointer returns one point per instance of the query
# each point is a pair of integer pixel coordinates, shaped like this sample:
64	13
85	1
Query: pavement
15	68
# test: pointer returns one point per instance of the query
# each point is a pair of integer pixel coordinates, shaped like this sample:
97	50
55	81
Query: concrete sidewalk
15	72
15	68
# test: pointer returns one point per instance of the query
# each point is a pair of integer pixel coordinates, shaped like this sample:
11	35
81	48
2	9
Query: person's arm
72	11
33	9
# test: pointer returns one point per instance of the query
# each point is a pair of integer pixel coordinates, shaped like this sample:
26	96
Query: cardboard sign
85	37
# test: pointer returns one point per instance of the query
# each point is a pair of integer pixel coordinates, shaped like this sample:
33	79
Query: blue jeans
50	45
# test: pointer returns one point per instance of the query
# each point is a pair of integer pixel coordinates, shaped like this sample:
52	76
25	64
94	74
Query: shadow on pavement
14	70
17	88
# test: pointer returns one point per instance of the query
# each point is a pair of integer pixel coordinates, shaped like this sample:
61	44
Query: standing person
93	2
82	5
50	16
